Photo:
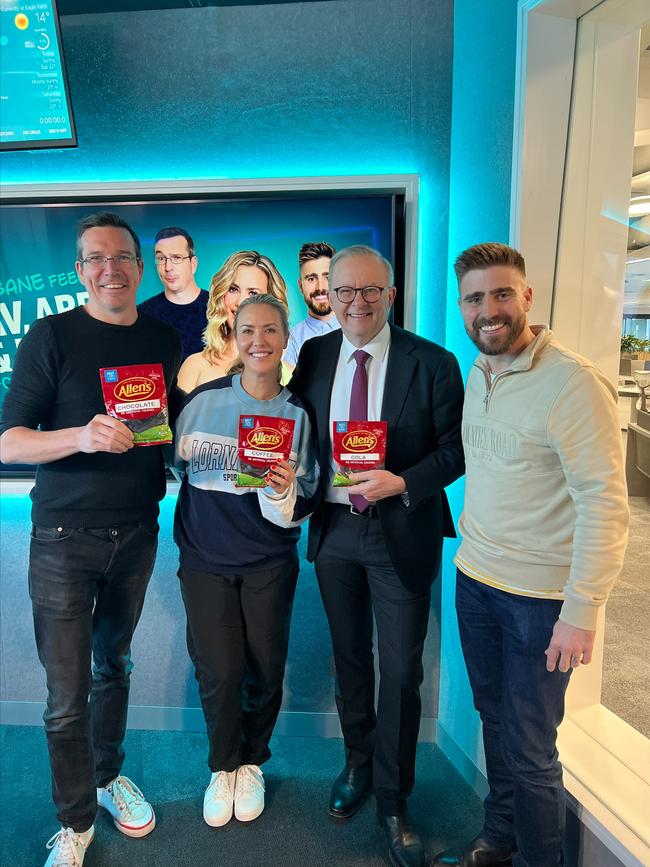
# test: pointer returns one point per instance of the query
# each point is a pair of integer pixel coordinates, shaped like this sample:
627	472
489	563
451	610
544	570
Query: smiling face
180	277
111	287
249	280
260	339
361	321
494	303
313	284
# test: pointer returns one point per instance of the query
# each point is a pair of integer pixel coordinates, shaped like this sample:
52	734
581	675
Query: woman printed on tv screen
242	275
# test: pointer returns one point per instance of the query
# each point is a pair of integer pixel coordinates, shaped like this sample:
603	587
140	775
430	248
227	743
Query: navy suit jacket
422	404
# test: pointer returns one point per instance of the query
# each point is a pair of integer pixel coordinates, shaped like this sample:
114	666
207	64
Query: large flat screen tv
35	108
37	243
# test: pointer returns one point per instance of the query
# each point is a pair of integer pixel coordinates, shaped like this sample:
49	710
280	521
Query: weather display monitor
35	109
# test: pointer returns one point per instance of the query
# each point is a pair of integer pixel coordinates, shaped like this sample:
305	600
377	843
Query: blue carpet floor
294	830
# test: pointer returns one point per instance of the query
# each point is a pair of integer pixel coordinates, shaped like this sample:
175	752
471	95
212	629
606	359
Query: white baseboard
190	719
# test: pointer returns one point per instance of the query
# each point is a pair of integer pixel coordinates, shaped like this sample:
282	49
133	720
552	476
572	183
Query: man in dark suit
377	545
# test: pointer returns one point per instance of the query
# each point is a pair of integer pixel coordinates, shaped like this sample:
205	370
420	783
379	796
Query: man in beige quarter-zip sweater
543	529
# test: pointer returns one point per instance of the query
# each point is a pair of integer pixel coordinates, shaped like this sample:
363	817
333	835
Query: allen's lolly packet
137	396
357	446
263	440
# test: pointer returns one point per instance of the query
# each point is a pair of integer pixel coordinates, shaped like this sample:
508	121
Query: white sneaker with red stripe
132	814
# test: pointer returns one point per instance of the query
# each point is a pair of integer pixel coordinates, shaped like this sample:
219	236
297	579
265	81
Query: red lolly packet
263	440
137	396
357	446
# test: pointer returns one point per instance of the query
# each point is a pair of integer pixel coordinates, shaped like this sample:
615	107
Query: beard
318	308
497	344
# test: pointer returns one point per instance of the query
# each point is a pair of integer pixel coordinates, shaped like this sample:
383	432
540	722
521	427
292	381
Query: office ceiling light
639	206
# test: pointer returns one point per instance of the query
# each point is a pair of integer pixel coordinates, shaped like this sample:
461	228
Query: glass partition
626	673
601	308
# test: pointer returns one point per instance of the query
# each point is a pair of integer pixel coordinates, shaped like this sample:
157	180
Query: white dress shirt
378	349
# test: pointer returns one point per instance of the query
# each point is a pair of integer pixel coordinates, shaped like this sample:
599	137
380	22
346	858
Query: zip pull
485	401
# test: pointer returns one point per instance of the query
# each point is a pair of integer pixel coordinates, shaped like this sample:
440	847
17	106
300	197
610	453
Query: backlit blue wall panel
479	210
351	87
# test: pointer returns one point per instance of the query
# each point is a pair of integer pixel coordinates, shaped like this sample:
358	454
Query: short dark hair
174	232
99	221
483	256
314	250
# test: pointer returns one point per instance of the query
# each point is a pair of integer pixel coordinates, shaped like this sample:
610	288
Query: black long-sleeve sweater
55	385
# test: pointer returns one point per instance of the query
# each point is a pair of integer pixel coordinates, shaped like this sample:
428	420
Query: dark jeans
87	588
356	579
521	704
238	638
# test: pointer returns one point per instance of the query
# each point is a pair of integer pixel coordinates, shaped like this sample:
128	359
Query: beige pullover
546	511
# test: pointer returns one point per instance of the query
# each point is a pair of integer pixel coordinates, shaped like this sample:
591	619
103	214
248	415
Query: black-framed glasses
346	294
97	261
175	259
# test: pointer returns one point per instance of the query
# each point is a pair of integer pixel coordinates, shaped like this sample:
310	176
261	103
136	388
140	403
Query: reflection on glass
626	673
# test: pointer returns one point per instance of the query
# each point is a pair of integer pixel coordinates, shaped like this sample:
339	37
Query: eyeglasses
97	261
346	294
175	259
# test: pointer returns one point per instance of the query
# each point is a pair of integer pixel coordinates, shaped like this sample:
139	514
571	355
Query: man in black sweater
94	535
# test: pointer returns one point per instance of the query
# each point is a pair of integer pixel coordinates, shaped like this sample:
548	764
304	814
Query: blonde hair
218	331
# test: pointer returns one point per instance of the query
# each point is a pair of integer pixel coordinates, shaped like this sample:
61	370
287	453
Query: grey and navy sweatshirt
221	528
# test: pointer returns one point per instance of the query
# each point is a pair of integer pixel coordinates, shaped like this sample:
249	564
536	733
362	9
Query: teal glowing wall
338	88
333	88
348	87
479	210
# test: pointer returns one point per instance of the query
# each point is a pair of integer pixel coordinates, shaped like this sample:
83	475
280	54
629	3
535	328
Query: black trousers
87	588
357	579
238	637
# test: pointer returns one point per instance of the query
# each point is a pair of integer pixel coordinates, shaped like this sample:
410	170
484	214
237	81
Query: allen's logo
264	438
134	388
359	441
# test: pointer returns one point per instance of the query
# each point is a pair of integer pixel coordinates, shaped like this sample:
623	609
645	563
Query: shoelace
68	843
249	779
126	795
220	788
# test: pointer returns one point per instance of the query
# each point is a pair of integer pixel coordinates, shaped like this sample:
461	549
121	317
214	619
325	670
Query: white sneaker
68	847
218	798
132	814
249	793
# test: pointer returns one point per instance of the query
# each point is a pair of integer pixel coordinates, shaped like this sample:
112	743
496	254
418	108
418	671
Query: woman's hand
281	476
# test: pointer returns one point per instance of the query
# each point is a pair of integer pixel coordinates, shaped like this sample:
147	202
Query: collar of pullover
524	361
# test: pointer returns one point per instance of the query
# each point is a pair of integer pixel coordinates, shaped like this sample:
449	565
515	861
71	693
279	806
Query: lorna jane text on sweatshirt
218	527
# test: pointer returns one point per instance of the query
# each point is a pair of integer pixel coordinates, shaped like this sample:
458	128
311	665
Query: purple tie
359	408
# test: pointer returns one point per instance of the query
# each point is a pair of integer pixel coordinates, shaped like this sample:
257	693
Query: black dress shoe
405	847
350	790
479	852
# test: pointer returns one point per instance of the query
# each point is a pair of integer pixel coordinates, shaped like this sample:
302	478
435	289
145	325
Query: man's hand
376	485
569	645
103	433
